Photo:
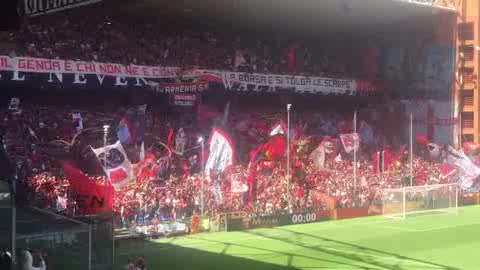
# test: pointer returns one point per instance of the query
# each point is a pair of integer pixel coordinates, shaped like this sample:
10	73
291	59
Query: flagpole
378	162
411	149
383	161
202	146
14	220
106	180
289	106
354	155
105	135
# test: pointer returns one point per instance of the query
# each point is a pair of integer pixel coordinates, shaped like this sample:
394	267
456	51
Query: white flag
142	152
350	141
116	164
221	152
469	172
279	129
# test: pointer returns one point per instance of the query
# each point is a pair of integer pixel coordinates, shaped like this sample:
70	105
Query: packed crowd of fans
167	185
105	38
38	138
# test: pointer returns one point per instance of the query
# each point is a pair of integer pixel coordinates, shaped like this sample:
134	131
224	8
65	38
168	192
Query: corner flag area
430	241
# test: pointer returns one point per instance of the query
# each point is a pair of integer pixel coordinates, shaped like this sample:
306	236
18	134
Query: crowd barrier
239	221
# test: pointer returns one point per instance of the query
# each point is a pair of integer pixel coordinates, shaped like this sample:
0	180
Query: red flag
92	198
387	159
275	147
170	138
118	175
421	139
292	60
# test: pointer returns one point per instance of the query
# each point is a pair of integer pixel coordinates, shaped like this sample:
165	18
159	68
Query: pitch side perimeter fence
69	243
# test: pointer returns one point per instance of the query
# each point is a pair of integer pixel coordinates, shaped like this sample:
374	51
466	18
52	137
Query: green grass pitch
423	242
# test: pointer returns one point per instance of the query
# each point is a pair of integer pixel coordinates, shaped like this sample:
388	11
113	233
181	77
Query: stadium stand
47	127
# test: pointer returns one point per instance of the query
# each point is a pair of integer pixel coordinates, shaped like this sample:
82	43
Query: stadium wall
467	98
239	221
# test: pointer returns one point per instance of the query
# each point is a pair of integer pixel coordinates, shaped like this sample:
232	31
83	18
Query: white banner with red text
42	65
83	72
184	100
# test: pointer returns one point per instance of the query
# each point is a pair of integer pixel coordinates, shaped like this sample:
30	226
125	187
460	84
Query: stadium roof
326	16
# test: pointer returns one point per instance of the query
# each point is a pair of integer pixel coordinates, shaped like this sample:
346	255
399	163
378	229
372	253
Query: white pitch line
382	257
394	228
449	227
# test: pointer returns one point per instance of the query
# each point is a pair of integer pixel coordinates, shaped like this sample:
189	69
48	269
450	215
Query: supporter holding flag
293	53
123	132
77	121
350	142
132	126
239	60
180	141
14	105
273	150
91	197
366	133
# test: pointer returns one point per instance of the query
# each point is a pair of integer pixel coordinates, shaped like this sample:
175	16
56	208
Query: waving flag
116	165
468	171
132	126
77	121
279	129
350	141
91	198
275	147
421	139
222	153
123	132
318	156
